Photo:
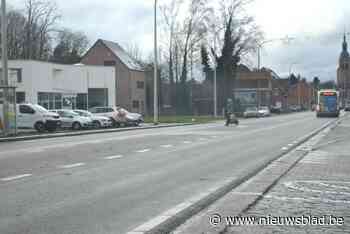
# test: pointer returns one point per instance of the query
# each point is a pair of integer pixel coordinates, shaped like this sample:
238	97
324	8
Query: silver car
71	119
97	121
251	112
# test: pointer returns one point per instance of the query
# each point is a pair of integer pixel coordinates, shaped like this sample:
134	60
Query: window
109	63
140	84
20	97
50	100
24	109
136	104
109	110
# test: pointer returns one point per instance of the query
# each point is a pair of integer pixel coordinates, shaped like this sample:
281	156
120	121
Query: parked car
251	112
37	117
264	111
97	121
118	115
71	119
295	108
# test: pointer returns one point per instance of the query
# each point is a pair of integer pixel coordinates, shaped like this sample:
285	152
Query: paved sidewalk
310	182
319	185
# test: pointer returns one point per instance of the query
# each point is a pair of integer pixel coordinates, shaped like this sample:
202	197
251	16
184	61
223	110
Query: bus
328	103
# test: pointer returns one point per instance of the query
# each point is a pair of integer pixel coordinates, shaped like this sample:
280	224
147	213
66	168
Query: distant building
130	77
343	72
56	86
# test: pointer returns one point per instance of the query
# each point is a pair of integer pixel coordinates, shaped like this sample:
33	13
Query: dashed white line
290	144
143	151
113	157
166	146
71	165
284	148
15	177
187	142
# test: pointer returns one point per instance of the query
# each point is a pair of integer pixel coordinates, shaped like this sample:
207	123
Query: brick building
343	73
129	75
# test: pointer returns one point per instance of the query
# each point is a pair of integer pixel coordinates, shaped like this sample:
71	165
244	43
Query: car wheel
76	126
97	124
40	127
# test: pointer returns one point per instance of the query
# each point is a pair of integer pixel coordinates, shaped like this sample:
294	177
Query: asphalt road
112	183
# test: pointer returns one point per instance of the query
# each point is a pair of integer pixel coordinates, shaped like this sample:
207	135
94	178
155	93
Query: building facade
129	75
343	72
56	86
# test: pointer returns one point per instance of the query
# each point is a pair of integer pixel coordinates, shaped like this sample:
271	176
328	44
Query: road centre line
166	146
143	151
15	177
113	157
71	165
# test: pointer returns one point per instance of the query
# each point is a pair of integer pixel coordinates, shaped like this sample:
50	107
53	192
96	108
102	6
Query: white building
56	86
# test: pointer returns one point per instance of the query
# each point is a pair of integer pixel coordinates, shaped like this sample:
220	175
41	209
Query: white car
71	119
37	117
251	112
118	115
97	121
264	111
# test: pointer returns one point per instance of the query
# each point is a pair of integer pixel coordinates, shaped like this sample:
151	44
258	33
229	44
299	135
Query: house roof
118	51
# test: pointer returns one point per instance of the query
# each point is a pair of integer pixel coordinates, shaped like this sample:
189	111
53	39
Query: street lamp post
155	97
215	88
4	81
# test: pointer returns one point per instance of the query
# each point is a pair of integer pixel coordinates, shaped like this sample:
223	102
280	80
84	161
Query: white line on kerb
113	157
72	165
143	151
166	146
15	177
144	228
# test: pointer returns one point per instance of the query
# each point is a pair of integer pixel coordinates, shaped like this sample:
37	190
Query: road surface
114	182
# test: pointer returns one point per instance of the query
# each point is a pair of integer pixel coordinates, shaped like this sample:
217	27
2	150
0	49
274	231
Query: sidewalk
316	186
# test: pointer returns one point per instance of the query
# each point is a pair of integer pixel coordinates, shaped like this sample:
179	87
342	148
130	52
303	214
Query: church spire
345	44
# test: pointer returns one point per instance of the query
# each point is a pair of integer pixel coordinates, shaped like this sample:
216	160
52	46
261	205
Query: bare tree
41	16
70	47
134	51
15	34
238	35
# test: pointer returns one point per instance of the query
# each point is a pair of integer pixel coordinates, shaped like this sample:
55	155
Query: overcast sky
316	25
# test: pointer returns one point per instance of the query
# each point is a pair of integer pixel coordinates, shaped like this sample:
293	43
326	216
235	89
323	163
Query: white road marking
15	177
72	165
144	228
284	148
166	146
202	139
143	151
290	144
187	142
113	157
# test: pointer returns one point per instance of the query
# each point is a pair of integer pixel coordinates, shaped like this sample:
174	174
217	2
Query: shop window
20	97
140	84
136	104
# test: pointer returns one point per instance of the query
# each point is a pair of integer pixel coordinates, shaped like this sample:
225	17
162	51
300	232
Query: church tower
343	72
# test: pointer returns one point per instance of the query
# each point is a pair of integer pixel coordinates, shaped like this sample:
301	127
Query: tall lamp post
155	97
4	81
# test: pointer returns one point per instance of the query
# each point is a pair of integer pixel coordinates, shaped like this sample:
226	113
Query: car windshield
84	113
251	109
41	109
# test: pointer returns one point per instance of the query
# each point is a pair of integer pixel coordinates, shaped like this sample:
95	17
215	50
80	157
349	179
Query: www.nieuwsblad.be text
270	220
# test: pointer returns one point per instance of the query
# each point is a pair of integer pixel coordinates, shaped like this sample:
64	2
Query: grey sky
317	25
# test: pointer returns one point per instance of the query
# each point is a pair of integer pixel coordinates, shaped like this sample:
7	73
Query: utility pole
215	89
4	81
155	92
